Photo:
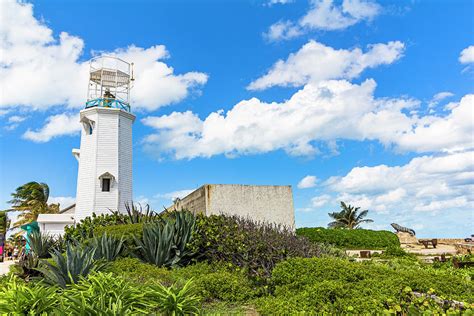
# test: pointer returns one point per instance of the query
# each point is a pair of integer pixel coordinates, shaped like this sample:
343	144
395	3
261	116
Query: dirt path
5	266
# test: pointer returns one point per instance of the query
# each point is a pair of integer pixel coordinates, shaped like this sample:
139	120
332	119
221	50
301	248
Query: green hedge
212	281
339	286
351	238
126	230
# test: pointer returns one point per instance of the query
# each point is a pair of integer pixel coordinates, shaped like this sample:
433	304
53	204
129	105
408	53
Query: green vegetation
338	286
178	264
351	238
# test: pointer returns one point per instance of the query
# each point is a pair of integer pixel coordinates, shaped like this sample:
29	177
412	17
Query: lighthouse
104	180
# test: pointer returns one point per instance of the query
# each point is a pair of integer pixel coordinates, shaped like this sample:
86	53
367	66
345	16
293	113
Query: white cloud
318	113
38	71
450	133
425	184
273	2
319	201
282	30
307	182
325	15
16	119
439	97
64	201
316	62
55	126
467	55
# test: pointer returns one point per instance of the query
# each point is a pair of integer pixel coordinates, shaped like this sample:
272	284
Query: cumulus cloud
175	194
426	184
55	126
307	182
318	113
328	16
467	55
316	62
39	71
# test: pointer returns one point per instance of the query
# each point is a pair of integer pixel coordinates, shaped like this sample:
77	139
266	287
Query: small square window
105	185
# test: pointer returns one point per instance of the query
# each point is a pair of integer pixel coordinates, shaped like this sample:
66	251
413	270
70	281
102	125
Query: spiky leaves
106	247
164	243
69	268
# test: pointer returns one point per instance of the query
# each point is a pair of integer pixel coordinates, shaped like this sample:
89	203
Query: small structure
261	203
54	224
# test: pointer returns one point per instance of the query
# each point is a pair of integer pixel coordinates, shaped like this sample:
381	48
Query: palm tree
348	217
32	199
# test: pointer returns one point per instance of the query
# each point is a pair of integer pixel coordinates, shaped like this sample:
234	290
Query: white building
104	180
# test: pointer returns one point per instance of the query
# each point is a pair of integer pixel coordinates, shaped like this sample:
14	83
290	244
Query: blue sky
368	102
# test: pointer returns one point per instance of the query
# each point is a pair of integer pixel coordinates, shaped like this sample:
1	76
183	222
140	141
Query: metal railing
108	103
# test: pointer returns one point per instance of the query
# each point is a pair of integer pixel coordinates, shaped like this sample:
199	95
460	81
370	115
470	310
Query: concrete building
263	203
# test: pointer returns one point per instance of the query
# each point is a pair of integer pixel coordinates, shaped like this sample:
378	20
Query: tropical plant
164	243
175	300
32	199
69	268
26	268
349	217
137	214
20	298
41	244
104	294
106	247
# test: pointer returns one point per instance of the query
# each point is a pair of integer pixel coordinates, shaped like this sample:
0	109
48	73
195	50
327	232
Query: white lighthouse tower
104	179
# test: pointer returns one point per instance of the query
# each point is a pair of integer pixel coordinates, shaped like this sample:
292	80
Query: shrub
126	231
106	247
339	286
164	243
20	298
63	270
351	238
211	281
103	294
248	245
85	228
174	300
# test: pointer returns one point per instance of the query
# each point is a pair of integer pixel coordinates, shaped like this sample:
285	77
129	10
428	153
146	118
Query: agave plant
164	243
41	244
174	300
18	298
78	261
106	247
137	214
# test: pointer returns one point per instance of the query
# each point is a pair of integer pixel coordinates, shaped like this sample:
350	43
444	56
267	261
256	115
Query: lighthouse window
105	185
88	128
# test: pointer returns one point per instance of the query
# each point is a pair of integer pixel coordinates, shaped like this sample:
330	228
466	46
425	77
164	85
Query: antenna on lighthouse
110	81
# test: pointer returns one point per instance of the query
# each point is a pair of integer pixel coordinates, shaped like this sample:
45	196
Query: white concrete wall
264	203
53	229
107	149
